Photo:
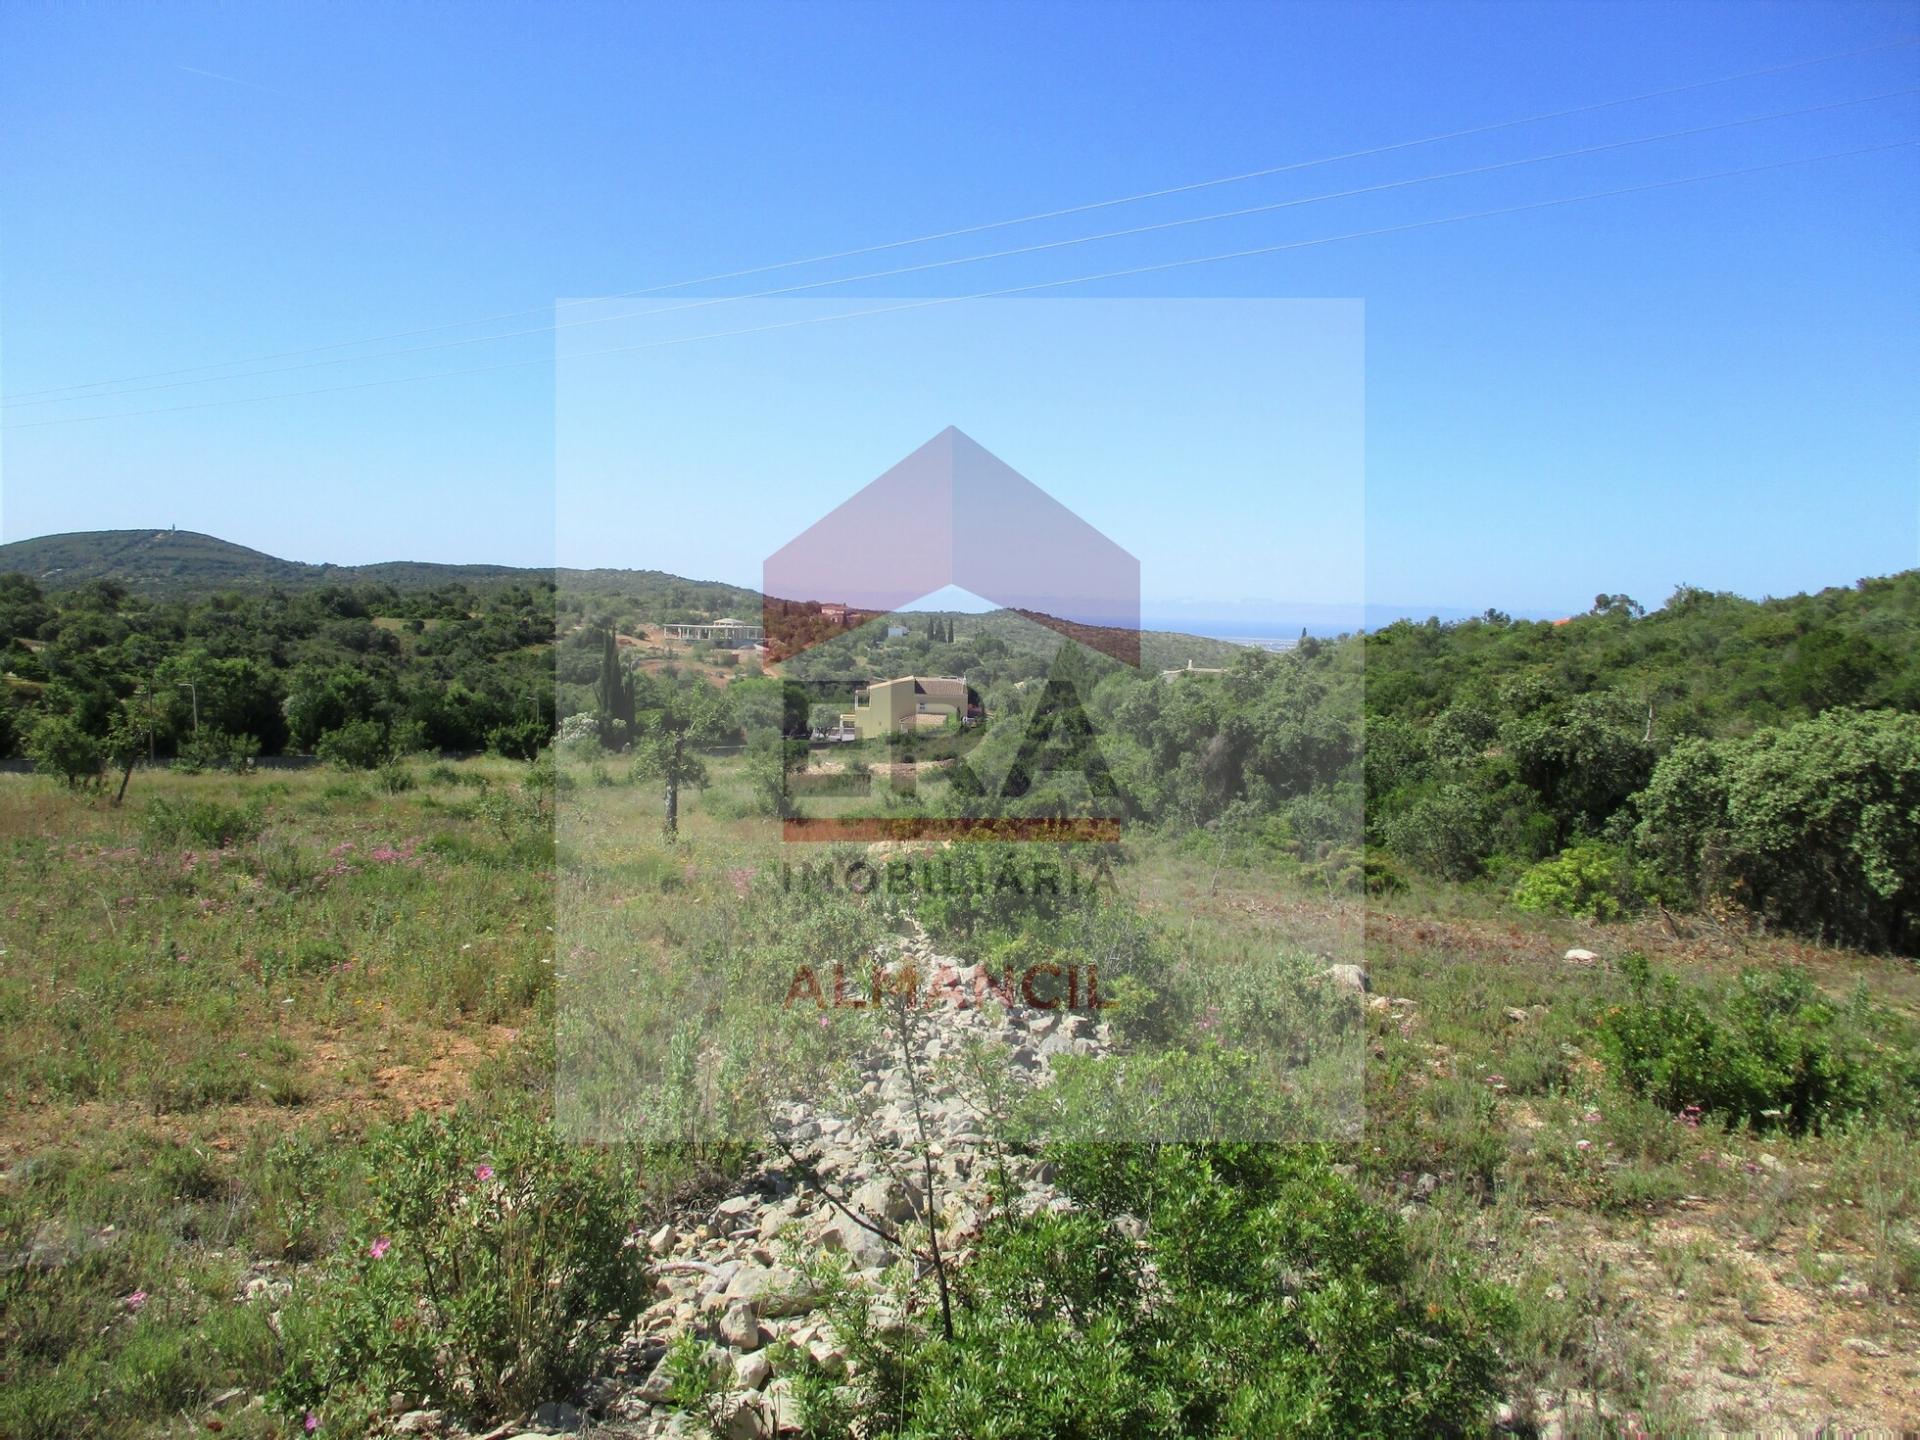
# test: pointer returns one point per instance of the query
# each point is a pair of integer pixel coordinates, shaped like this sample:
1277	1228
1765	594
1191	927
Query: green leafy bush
394	776
358	745
59	747
1594	881
201	822
518	739
1773	1052
1382	876
213	749
1259	1295
492	1267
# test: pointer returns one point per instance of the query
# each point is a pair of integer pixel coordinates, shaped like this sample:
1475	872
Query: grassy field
215	996
209	996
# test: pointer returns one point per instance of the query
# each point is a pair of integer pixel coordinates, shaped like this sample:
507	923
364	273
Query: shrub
580	729
1593	881
358	745
1773	1053
1450	831
201	822
492	1267
1382	876
1264	1296
394	776
211	749
58	746
518	739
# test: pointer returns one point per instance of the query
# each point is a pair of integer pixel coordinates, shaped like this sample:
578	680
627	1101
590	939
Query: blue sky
1713	383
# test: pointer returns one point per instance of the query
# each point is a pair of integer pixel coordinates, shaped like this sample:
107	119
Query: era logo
950	513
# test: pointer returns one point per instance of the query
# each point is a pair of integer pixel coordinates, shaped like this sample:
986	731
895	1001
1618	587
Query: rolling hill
184	562
180	564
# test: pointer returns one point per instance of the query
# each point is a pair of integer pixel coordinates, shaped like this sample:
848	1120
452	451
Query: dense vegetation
1719	749
1761	757
377	669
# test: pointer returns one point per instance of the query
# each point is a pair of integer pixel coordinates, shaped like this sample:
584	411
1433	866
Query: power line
1080	209
1128	232
1000	293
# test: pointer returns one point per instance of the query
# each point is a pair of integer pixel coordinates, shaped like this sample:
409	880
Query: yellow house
912	702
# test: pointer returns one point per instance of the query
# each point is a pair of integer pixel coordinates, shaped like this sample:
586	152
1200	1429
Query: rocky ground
854	1185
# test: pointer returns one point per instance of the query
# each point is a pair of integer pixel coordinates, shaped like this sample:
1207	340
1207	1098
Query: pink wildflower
1583	1144
311	1423
136	1300
378	1249
483	1171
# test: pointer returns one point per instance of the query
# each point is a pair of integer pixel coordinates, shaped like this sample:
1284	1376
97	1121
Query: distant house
896	632
912	702
733	634
1189	669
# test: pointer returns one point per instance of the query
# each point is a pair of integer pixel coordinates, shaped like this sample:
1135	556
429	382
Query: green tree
613	694
58	746
1814	827
129	739
677	717
323	698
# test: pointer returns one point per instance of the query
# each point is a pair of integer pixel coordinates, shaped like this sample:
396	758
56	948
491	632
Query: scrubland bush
492	1267
1770	1052
1208	1290
59	747
360	745
212	749
1593	881
1815	827
201	822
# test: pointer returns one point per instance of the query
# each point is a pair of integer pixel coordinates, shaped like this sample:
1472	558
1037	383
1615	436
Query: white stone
740	1327
772	1290
752	1371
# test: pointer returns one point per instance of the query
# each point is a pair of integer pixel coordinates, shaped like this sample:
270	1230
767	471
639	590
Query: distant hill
184	562
178	564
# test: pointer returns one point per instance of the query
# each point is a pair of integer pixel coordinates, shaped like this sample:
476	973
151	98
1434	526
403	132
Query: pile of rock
854	1184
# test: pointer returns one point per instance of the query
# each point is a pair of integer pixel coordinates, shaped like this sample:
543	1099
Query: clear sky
1712	383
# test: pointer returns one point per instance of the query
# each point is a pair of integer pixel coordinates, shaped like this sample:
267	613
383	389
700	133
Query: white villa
733	634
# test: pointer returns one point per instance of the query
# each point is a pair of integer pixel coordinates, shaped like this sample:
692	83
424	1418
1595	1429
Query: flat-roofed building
733	634
912	702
